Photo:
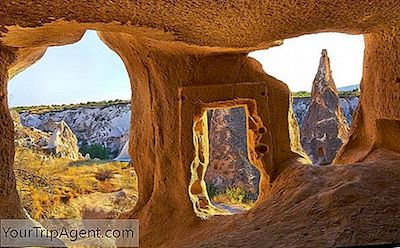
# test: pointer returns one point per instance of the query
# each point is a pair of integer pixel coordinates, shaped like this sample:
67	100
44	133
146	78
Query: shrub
354	92
235	194
301	94
212	190
48	185
95	151
104	174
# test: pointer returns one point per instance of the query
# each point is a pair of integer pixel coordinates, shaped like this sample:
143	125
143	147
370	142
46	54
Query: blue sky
85	71
89	71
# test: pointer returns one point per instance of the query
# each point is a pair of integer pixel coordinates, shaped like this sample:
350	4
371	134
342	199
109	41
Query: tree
95	151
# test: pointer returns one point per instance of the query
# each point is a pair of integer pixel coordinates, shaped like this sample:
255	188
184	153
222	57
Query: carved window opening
321	152
52	172
324	98
225	178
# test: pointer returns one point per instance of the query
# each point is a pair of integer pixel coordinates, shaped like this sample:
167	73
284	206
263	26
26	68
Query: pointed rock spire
323	78
324	128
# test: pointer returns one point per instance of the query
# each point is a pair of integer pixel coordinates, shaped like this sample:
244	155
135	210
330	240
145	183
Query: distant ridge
350	87
62	107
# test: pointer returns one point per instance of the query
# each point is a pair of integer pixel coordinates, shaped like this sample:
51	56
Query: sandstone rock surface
179	53
314	206
59	140
324	128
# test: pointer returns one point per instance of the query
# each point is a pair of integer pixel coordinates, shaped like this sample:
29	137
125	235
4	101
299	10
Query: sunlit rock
324	128
63	142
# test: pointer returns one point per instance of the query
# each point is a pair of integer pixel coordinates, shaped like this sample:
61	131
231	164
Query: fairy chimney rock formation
229	164
124	154
325	128
63	142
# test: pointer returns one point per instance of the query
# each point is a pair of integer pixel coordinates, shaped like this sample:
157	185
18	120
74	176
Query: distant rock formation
229	164
348	104
28	137
124	154
324	127
63	142
107	125
58	140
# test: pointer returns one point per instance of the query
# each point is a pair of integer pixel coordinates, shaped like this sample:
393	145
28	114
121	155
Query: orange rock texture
183	56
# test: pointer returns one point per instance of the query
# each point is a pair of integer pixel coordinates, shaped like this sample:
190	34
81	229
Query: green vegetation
212	190
301	94
235	194
354	92
62	107
95	151
232	195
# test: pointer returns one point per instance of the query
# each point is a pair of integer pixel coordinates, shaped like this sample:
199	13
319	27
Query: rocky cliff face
28	137
108	125
229	164
348	105
58	140
324	128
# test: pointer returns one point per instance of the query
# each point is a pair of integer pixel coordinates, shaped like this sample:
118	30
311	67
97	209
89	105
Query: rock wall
109	125
27	137
376	125
9	201
211	24
156	157
58	141
63	142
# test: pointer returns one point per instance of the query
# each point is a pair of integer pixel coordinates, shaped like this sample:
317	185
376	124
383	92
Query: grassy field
59	188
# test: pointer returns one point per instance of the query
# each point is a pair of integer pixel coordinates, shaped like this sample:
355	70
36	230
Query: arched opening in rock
324	72
225	177
72	131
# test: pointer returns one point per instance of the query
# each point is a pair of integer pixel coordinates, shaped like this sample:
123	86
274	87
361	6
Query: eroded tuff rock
162	62
124	154
28	137
108	126
324	128
59	140
229	164
63	142
348	104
